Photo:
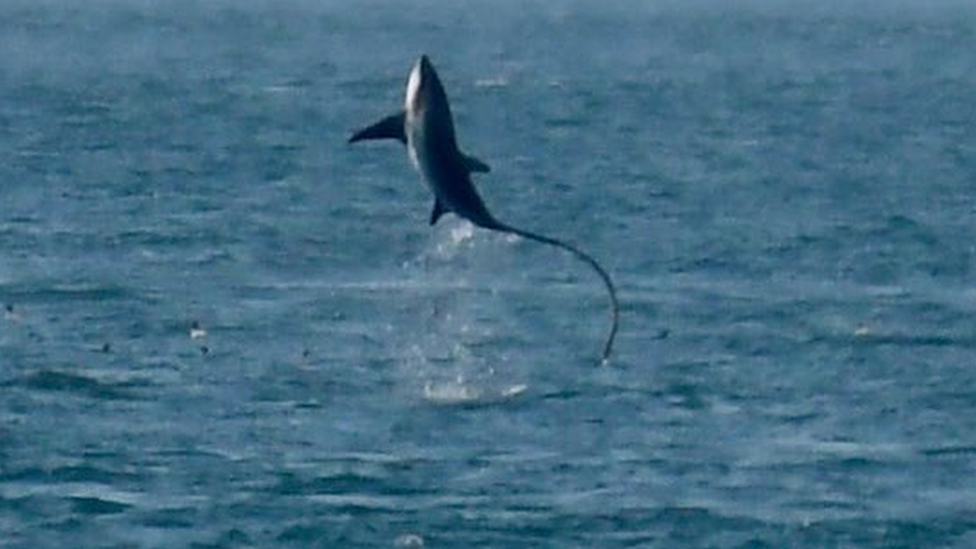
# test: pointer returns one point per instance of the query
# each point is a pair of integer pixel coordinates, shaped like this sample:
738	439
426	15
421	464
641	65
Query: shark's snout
422	77
424	64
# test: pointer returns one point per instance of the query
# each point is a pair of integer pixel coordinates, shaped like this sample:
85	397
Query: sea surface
224	327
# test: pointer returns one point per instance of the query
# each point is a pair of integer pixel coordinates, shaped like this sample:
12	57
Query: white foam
409	541
460	392
494	82
452	392
462	232
457	235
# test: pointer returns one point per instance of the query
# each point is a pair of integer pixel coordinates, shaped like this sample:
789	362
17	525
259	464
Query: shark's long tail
614	306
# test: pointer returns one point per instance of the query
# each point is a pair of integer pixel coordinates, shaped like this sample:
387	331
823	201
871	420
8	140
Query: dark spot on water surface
61	381
97	506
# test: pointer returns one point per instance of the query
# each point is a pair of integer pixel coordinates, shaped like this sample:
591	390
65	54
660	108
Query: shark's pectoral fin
438	211
390	127
475	165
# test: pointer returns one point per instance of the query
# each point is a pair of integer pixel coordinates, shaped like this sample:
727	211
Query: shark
426	127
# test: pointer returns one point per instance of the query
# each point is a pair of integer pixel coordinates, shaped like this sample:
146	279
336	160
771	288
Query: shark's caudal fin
586	258
390	127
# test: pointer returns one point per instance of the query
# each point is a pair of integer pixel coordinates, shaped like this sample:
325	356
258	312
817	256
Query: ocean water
784	193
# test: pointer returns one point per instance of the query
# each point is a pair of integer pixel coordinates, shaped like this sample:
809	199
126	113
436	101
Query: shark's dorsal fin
390	127
475	165
437	212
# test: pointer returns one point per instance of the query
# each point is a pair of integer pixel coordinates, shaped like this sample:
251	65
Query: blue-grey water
784	192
